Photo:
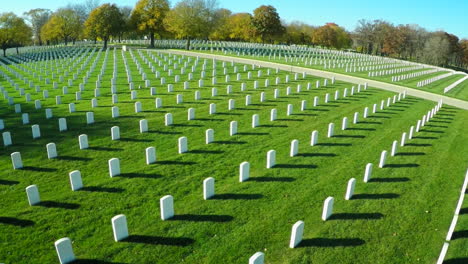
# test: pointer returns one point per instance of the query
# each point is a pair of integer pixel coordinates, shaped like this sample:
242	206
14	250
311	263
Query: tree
192	19
325	36
267	23
37	18
126	12
104	21
464	52
64	24
221	28
298	33
240	27
14	32
437	49
148	17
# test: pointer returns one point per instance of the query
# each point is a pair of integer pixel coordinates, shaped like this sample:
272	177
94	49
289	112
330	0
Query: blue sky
448	15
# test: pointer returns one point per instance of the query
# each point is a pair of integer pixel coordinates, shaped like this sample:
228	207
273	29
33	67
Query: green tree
240	27
192	19
37	18
267	23
14	32
221	29
103	22
64	24
148	17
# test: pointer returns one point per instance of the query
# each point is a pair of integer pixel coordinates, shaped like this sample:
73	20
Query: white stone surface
271	159
114	167
244	171
119	226
167	207
150	155
296	234
294	148
183	145
51	150
75	180
115	133
257	258
383	157
233	128
64	250
350	189
331	128
368	172
16	160
33	195
208	188
327	208
314	138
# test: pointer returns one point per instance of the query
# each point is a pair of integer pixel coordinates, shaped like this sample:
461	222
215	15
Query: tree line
203	19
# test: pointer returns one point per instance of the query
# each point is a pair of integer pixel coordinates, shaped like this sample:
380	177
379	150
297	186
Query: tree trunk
4	52
17	51
95	41
66	41
105	43
187	47
152	39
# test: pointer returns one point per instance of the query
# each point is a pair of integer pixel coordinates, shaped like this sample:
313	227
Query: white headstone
244	171
212	109
327	208
350	189
394	148
403	140
255	121
232	128
368	172
257	258
383	157
16	160
114	167
138	107
167	207
89	118
119	226
115	133
75	180
143	126
51	150
344	125
7	139
331	128
168	119
115	112
271	159
182	145
64	250
209	136
296	234
33	195
62	124
314	138
191	114
208	188
294	148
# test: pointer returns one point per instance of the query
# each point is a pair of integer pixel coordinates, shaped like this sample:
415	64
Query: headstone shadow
456	261
407	165
39	169
202	218
237	196
102	189
460	234
356	216
139	175
395	179
135	140
331	242
317	154
156	240
410	154
375	196
201	151
8	182
296	166
15	221
53	204
71	158
105	149
94	261
272	179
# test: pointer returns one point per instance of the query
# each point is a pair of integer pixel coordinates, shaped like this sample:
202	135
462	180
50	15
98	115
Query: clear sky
448	15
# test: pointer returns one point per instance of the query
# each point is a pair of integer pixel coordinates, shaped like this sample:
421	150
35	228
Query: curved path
324	74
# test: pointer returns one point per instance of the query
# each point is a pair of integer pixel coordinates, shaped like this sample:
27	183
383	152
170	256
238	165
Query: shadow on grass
186	125
418	145
289	119
174	162
164	132
411	154
331	242
230	142
70	158
296	166
460	234
7	182
135	140
15	221
105	149
139	175
102	189
438	121
464	210
400	179
202	218
370	122
456	261
252	134
273	126
155	240
379	116
349	136
272	179
317	154
407	165
356	216
200	151
335	144
432	131
30	168
93	261
420	137
237	196
375	196
361	128
53	204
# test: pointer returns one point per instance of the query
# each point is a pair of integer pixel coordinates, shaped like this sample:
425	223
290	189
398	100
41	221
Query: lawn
401	216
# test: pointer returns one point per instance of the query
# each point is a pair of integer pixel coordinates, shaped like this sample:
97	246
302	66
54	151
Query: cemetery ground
400	216
437	87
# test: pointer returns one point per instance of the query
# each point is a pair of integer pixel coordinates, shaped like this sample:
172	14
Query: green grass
402	216
435	87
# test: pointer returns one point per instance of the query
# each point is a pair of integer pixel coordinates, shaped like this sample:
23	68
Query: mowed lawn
401	216
435	87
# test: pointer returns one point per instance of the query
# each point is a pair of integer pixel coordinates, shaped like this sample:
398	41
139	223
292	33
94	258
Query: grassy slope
435	87
388	223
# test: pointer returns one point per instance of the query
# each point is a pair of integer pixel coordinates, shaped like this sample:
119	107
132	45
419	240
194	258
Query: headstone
331	128
233	128
167	207
7	139
294	148
150	155
255	121
209	136
114	167
350	189
51	150
36	132
314	138
183	145
257	258
48	113
16	160
33	195
115	133
411	132
273	114
383	157
143	126
344	125
231	104
208	188
244	171
356	118
137	107
62	124
75	180
115	112
271	159
64	250
168	119
94	103
212	110
119	226
296	234
289	110
394	148
89	118
368	172
327	208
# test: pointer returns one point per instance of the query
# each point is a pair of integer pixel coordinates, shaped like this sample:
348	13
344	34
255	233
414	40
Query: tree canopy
13	32
266	22
104	22
148	17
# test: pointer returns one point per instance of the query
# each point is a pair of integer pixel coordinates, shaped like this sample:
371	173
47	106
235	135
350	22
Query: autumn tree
14	32
464	52
240	27
221	28
104	22
298	33
266	22
65	24
148	17
37	18
192	19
